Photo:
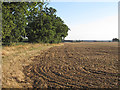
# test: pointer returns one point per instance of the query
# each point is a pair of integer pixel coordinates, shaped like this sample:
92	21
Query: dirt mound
78	65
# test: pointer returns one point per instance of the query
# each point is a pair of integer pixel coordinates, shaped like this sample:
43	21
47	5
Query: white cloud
103	29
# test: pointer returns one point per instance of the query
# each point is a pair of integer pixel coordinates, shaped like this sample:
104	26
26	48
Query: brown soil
15	58
73	65
77	65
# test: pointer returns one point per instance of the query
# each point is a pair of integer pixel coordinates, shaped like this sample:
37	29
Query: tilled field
75	65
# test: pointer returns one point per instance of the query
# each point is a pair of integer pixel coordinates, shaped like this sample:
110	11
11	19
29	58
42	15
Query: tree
33	20
13	21
115	40
7	23
46	26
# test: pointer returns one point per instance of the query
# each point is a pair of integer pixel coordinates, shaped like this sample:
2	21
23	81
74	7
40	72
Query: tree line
34	20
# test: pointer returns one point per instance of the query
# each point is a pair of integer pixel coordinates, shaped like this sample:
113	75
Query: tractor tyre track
75	66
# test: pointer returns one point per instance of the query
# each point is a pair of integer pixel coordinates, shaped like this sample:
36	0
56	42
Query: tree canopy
115	40
34	20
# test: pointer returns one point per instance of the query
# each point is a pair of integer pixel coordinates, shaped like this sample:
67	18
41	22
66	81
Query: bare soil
15	58
72	65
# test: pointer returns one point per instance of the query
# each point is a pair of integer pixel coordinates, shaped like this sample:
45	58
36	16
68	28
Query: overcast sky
89	20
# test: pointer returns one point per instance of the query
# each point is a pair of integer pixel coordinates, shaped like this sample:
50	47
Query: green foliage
33	20
46	26
13	21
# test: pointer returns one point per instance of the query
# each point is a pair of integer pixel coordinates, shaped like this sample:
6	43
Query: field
68	65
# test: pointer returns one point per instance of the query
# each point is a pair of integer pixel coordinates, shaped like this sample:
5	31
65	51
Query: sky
89	20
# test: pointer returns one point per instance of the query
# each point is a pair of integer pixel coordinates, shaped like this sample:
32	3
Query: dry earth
14	58
72	65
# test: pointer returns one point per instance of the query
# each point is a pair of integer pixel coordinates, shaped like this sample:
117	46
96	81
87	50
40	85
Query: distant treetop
115	40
